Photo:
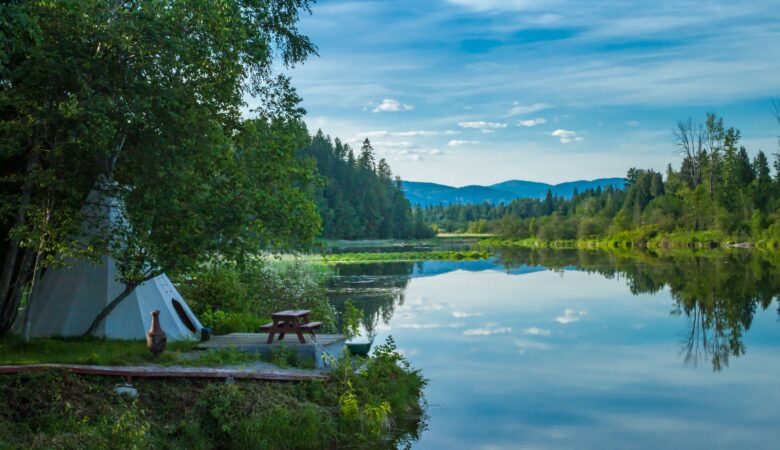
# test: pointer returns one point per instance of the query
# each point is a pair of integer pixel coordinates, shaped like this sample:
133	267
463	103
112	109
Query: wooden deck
329	344
257	341
264	373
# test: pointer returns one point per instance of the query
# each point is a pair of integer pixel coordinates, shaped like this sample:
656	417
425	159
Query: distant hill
424	194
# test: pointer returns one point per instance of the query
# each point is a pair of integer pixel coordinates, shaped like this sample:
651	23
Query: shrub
240	298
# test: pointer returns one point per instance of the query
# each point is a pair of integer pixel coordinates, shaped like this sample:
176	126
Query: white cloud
532	122
394	144
496	5
391	105
371	135
566	136
486	331
487	131
416	133
415	154
534	331
419	326
524	344
410	352
632	123
518	109
410	133
481	124
570	316
458	142
461	314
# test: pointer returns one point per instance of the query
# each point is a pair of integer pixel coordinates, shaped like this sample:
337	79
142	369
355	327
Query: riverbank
343	258
381	406
676	240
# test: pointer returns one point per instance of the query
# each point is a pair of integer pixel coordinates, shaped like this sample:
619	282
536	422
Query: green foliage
71	414
340	258
228	416
351	319
359	198
383	391
231	298
284	357
144	101
61	410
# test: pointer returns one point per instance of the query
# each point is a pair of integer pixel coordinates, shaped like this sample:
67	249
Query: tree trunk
18	277
15	272
31	297
129	288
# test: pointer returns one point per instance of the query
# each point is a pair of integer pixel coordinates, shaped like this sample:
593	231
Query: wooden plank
170	372
258	341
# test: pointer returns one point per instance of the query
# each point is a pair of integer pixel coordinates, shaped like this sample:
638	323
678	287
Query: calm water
585	350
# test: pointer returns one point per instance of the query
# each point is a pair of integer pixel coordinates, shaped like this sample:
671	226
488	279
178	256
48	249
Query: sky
466	92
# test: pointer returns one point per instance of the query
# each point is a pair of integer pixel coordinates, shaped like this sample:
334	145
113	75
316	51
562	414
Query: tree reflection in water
378	289
718	291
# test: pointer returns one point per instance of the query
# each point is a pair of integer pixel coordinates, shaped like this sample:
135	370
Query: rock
126	389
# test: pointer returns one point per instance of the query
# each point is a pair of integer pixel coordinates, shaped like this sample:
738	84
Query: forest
358	197
717	189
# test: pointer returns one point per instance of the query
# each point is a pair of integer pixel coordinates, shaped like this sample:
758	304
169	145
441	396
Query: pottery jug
155	338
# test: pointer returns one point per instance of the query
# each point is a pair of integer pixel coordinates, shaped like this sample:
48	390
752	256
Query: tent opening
183	315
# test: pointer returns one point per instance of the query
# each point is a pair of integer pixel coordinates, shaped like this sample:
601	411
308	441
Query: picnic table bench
290	321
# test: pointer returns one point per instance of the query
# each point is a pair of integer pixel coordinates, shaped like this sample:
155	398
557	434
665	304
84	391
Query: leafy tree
147	96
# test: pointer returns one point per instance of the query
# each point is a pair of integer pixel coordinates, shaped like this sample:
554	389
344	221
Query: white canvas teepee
66	300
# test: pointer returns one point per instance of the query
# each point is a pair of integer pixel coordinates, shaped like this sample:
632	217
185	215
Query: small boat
360	348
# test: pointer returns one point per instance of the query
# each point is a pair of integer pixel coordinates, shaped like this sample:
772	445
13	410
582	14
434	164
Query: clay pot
155	337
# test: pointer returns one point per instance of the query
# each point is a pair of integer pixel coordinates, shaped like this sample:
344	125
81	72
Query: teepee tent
67	299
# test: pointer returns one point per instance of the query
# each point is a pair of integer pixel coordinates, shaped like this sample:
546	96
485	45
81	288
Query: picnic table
290	321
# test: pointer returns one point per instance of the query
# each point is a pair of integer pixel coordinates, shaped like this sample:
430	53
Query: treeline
360	198
717	188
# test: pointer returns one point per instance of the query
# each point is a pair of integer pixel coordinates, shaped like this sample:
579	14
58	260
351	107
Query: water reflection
377	288
718	292
568	349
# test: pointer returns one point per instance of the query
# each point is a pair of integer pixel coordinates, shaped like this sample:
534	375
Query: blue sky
480	91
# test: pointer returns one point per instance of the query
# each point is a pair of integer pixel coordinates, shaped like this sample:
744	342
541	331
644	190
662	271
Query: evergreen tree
358	198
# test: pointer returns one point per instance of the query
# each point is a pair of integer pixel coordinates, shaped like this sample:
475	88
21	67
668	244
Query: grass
14	351
84	351
405	256
464	235
627	240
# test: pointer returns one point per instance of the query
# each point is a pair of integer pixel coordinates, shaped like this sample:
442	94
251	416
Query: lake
569	349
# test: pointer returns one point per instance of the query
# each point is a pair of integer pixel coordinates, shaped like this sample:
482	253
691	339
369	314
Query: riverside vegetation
379	406
717	196
376	408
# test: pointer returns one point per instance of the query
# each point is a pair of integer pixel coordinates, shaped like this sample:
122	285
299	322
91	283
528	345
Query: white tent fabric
67	299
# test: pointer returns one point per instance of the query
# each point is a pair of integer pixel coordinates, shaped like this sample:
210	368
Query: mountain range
425	194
